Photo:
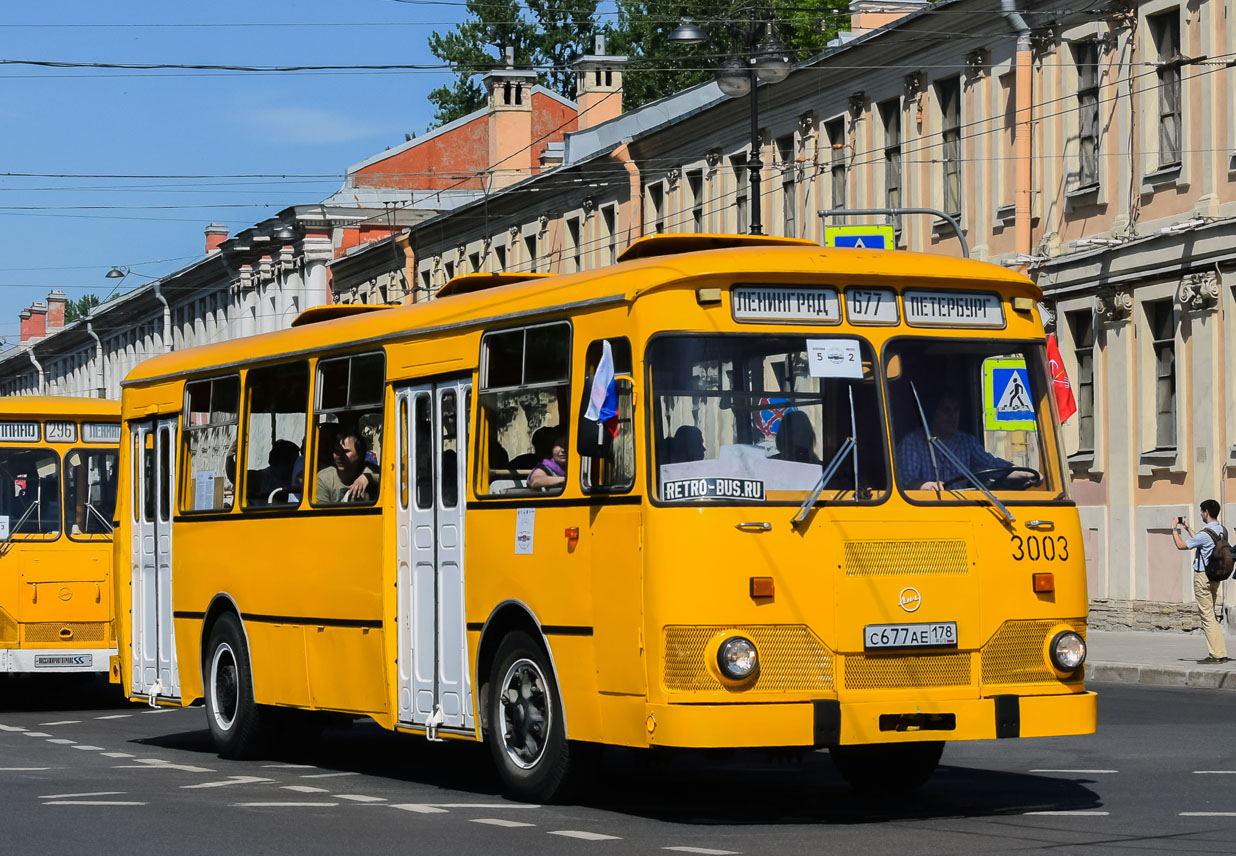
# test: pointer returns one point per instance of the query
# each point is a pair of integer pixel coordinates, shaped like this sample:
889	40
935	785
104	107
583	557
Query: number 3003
1036	547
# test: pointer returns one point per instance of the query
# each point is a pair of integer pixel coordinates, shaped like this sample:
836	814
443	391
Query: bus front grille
905	558
1016	654
66	631
8	628
792	659
906	671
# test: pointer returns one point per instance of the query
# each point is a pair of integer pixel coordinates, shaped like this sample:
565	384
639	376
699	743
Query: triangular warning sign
1016	397
859	245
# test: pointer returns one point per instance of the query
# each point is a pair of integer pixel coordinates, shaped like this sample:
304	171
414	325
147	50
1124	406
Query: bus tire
883	769
527	734
234	717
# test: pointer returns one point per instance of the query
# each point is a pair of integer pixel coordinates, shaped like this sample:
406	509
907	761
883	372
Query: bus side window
211	420
348	419
607	451
525	385
278	403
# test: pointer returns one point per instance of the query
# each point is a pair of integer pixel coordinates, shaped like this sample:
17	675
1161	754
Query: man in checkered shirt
914	456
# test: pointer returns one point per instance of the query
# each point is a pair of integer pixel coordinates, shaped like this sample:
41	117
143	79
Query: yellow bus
58	479
729	492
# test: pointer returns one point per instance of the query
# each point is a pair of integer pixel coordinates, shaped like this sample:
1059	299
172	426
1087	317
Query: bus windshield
90	477
761	418
985	404
30	493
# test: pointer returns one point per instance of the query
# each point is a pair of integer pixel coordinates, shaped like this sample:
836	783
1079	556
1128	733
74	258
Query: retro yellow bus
58	479
729	492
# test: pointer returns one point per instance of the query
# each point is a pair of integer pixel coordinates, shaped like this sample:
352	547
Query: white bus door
435	685
155	671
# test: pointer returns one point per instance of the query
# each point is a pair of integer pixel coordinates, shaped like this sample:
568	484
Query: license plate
936	634
60	661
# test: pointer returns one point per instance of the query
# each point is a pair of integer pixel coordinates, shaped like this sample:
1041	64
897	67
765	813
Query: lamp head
733	77
115	273
772	60
687	33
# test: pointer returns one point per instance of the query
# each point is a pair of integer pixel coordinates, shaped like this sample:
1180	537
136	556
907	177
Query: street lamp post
766	62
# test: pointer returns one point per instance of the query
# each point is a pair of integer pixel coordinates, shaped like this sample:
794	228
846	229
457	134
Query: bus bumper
56	660
829	722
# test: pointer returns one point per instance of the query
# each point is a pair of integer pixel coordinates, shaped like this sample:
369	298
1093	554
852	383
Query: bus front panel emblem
911	600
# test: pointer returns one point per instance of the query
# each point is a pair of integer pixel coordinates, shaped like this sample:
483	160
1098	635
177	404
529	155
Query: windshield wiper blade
13	530
971	477
832	467
90	509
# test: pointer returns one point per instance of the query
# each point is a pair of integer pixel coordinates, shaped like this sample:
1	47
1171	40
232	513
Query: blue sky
125	123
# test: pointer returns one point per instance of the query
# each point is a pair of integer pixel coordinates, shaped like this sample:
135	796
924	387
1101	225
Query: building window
695	184
500	256
610	215
1081	328
530	252
789	196
474	262
1086	56
890	116
655	194
1165	30
573	234
448	268
835	130
738	163
1162	323
949	93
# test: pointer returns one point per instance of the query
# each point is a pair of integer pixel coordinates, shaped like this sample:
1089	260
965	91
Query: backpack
1219	565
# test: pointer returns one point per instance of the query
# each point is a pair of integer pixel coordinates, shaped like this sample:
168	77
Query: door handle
754	526
1040	524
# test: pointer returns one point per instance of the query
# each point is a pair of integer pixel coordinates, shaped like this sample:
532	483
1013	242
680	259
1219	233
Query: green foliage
658	68
76	310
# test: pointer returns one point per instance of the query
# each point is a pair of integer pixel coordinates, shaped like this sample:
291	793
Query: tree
546	34
76	310
658	68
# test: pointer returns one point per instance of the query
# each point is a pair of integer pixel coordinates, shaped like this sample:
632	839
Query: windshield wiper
13	530
933	442
849	444
90	509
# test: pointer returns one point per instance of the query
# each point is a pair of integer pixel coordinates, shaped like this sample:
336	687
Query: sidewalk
1160	659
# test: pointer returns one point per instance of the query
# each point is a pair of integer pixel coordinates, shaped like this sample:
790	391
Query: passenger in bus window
274	482
551	471
796	439
687	445
349	478
914	455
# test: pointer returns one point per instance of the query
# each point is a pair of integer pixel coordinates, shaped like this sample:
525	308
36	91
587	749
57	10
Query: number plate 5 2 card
937	634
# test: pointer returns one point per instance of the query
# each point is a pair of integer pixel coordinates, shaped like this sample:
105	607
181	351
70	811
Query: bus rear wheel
883	769
234	717
527	735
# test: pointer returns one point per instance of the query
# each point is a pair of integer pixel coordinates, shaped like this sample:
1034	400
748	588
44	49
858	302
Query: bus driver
914	455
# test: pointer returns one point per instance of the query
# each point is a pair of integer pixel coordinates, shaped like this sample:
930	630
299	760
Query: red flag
1060	380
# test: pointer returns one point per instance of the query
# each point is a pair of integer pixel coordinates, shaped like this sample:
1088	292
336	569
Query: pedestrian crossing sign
871	237
1007	405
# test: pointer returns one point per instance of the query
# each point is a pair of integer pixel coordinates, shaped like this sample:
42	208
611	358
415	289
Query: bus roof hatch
669	245
469	282
315	314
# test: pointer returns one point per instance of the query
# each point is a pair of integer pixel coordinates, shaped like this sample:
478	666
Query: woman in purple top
551	471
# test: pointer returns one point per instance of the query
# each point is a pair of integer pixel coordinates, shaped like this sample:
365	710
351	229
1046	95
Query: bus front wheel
527	734
887	768
234	717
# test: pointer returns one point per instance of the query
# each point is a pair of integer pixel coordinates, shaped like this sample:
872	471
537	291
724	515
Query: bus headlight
737	658
1068	651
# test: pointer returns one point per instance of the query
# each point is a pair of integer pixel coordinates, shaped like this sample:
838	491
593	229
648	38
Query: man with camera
1205	590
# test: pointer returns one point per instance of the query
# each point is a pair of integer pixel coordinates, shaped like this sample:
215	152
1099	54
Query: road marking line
61	722
11	728
160	764
1214	772
115	716
289	766
76	796
483	805
304	789
157	710
88	748
91	802
358	798
62	741
231	780
283	804
117	755
705	850
419	808
586	836
327	775
1086	772
1067	813
22	769
39	734
1208	814
498	821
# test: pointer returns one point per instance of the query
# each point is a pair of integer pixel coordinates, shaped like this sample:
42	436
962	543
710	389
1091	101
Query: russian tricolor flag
603	400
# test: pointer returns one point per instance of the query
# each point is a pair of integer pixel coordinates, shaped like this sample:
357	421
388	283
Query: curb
1214	678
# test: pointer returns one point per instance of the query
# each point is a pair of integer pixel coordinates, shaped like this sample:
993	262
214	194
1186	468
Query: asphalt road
81	771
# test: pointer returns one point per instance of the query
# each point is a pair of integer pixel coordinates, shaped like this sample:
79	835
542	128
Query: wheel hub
525	714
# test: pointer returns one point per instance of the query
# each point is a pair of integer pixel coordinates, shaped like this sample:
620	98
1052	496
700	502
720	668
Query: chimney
34	321
55	310
509	94
598	86
868	15
216	234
